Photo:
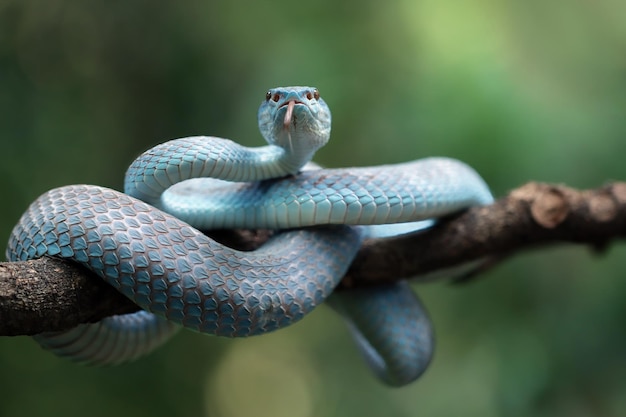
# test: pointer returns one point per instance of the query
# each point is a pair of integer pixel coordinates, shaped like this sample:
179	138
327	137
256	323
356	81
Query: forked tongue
288	114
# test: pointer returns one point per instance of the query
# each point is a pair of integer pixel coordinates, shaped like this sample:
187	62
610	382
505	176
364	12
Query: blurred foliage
522	91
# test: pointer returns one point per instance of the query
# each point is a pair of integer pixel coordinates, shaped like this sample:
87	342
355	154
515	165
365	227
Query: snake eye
313	95
274	97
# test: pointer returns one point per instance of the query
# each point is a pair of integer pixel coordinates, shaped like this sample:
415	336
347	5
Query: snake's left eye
268	95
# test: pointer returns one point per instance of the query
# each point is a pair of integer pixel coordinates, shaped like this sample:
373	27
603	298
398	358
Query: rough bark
50	294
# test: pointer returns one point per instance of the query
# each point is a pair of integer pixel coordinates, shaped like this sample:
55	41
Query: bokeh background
522	91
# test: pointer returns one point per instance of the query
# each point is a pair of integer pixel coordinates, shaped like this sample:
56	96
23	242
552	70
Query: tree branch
50	294
533	215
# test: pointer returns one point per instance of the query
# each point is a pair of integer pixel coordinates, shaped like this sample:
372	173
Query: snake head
295	118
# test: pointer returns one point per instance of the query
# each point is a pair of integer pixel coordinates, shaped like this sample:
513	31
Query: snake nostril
309	95
276	97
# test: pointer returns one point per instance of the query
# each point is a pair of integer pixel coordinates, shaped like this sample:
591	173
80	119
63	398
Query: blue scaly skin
146	242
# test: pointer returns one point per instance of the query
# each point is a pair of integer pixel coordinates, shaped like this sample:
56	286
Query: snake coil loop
147	244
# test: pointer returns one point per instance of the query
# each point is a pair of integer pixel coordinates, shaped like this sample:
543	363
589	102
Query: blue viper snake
147	242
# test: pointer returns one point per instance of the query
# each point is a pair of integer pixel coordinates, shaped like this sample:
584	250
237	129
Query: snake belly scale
147	241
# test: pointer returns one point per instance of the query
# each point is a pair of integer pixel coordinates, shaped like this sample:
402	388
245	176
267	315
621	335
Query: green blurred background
522	91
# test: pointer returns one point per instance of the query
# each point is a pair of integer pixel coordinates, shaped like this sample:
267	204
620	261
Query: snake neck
296	150
294	121
200	156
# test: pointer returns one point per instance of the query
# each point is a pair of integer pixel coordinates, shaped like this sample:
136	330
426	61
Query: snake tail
111	341
391	328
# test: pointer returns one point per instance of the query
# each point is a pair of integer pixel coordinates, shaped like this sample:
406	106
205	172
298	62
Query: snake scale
148	243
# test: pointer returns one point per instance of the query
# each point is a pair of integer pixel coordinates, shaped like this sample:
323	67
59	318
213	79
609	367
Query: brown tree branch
533	215
50	294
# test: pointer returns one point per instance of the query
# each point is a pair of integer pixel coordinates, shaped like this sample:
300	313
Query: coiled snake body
146	242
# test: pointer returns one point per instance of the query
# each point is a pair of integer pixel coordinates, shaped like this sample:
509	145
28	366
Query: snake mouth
289	113
287	103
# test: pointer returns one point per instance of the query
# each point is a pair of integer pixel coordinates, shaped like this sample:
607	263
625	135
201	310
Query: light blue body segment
114	340
354	196
146	243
